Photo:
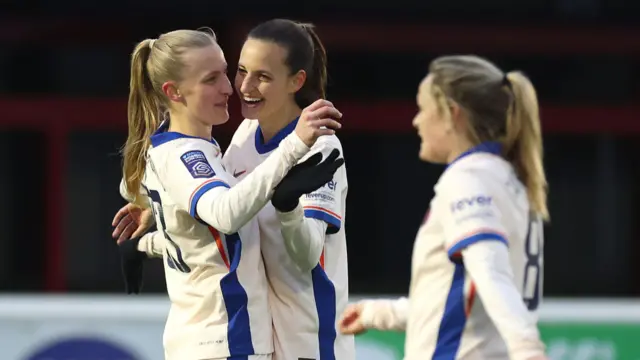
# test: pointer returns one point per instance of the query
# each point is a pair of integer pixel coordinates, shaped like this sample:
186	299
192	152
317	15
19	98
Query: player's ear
457	120
170	89
296	81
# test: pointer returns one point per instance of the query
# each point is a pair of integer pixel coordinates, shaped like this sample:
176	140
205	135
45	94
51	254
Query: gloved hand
132	263
305	178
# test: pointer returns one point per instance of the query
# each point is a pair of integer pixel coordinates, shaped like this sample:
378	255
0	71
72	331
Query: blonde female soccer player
211	244
476	278
282	69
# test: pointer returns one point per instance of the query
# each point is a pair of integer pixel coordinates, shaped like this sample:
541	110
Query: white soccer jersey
213	265
310	290
478	201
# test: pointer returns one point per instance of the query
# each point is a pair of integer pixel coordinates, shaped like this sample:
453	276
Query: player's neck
190	128
461	146
272	125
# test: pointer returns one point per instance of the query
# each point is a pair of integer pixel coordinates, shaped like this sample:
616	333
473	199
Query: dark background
63	85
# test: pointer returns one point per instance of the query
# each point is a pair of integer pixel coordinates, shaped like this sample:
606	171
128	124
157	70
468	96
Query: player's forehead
424	89
259	54
199	61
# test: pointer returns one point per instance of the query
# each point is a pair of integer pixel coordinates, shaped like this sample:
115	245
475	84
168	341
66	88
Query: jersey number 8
533	269
175	262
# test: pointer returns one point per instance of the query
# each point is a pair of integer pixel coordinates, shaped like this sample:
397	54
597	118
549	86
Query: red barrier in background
353	35
58	117
63	115
465	38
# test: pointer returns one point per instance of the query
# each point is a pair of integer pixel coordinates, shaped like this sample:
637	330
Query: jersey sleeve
303	238
489	267
152	244
194	177
469	211
385	314
325	203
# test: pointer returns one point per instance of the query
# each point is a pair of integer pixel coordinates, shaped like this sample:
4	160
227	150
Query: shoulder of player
479	171
245	131
326	144
181	147
246	126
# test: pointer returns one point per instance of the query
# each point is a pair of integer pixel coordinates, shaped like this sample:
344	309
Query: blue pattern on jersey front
263	148
236	302
453	320
325	296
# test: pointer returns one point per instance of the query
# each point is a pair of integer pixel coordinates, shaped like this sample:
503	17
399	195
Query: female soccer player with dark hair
281	70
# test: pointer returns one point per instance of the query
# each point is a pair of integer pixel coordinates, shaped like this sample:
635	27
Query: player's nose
227	89
247	86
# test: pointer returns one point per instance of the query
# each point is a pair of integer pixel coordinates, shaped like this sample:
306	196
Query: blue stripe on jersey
491	147
483	236
263	148
325	296
161	136
236	302
246	357
194	200
321	215
453	320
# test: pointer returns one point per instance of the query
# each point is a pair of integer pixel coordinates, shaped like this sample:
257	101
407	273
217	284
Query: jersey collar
162	136
491	147
272	144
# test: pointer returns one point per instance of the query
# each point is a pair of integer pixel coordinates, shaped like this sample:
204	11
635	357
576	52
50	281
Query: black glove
132	263
305	178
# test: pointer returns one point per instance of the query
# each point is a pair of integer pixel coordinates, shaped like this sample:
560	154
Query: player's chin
220	116
251	111
425	152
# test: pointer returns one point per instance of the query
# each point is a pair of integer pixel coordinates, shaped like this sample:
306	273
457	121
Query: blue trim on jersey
485	236
272	144
490	147
325	296
236	302
163	136
193	207
245	357
323	216
453	320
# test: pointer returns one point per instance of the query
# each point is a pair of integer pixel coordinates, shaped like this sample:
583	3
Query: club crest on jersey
197	164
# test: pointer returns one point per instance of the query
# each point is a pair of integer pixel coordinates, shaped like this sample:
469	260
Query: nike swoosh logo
236	174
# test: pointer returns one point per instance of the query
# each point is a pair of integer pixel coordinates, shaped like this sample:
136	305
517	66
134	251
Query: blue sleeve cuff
193	202
454	251
332	219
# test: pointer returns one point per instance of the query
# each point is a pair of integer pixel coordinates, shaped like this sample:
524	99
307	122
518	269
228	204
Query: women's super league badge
197	164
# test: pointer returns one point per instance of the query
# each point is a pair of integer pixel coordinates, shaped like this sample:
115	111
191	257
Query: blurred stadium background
63	85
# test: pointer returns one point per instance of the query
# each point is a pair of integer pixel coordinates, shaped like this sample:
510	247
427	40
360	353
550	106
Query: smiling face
264	82
205	86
